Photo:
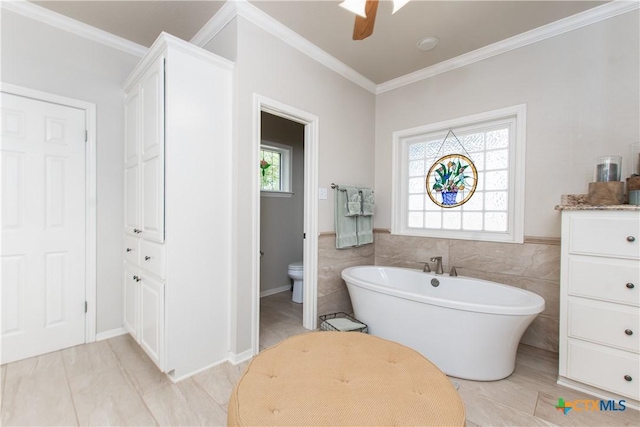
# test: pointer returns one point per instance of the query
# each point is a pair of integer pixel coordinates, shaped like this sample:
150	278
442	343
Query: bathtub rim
536	307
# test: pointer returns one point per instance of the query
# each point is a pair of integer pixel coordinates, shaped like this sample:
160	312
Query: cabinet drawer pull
631	239
630	285
129	249
137	230
147	258
628	332
628	378
136	278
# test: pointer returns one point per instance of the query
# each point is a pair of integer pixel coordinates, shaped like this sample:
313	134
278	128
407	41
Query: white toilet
296	272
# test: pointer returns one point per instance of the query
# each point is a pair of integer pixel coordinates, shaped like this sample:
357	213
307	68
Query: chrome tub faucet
438	261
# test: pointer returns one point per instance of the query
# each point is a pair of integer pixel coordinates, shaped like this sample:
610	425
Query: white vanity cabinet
177	206
600	303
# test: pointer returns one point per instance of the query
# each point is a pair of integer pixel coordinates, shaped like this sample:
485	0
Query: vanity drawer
600	234
152	257
608	279
131	249
604	368
604	323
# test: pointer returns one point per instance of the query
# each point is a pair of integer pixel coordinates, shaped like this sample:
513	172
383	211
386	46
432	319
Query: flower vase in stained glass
449	198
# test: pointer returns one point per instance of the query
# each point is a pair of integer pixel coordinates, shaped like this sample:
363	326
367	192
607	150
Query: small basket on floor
341	322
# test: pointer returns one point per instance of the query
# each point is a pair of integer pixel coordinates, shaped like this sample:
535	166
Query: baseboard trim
111	334
236	359
275	291
190	374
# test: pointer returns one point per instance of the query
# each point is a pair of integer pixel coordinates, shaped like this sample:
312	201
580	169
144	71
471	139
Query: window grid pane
270	170
487	209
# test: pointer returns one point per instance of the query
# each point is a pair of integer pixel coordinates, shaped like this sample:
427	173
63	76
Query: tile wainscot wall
531	266
332	291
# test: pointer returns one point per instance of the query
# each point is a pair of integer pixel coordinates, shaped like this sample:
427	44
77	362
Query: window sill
481	236
275	194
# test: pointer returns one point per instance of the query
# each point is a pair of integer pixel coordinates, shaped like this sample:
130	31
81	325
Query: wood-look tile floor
113	382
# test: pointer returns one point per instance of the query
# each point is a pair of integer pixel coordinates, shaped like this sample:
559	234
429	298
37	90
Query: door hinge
86	135
304	235
86	306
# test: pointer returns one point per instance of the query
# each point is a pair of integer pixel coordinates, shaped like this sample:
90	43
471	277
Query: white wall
582	94
282	218
41	57
269	67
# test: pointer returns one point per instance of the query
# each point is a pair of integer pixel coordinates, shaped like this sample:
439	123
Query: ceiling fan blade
363	27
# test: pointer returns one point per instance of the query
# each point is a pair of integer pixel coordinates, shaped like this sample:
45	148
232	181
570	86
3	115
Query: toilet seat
296	265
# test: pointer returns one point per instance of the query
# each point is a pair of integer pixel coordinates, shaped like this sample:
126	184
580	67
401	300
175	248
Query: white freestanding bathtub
469	328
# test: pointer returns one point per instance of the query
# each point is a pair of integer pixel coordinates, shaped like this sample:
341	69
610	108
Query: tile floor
113	382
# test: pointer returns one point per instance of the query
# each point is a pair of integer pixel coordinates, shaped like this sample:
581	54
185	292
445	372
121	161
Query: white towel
344	324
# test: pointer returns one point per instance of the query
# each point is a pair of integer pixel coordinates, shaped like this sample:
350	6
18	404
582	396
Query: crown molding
251	13
42	14
233	8
221	19
574	22
164	41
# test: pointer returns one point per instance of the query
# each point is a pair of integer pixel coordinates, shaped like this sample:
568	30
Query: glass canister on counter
608	168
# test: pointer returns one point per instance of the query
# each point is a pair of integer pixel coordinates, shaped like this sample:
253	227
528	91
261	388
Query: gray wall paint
281	218
270	67
41	57
582	91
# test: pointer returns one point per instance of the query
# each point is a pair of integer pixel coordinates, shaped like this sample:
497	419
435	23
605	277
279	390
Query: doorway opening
281	228
285	223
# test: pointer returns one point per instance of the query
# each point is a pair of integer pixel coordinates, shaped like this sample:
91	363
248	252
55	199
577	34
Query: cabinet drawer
131	249
604	368
608	279
152	257
604	323
599	234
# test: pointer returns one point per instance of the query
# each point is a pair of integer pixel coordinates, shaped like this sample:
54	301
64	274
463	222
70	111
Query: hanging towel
354	201
364	228
346	226
368	201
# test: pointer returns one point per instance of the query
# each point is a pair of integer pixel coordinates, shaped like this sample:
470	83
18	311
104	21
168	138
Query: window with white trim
495	142
275	169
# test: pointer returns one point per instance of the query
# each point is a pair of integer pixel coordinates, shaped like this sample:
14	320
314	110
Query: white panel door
43	227
151	336
152	155
132	163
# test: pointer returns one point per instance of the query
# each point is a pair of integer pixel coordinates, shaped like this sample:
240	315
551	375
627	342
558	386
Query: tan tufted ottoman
343	378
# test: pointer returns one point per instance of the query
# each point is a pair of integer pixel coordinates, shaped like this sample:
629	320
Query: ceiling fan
366	11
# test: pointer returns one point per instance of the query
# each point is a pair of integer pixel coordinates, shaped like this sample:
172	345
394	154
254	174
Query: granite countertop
578	202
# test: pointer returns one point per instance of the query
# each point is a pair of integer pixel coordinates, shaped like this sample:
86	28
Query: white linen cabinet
600	302
177	206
